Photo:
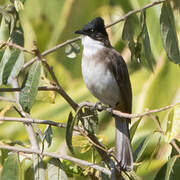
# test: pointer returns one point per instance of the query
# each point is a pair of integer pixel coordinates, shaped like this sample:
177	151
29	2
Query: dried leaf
72	50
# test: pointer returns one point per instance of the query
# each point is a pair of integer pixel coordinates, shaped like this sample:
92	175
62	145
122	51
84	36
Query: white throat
91	46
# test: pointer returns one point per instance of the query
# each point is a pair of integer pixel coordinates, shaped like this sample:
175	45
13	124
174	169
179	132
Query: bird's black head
94	29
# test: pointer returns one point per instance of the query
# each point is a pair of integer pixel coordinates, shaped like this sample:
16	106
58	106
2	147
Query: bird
106	76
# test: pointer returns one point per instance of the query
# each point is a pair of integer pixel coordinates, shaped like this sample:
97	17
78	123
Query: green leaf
168	33
128	34
11	169
17	36
55	170
144	37
170	170
133	128
39	167
4	61
48	135
128	30
69	131
17	67
45	96
10	65
170	165
30	87
142	148
82	143
89	119
18	5
4	30
4	155
173	124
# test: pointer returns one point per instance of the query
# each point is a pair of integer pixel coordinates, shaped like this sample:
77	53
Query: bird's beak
80	32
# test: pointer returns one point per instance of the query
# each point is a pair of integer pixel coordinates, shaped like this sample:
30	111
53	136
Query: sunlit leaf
168	33
134	128
82	143
55	170
89	119
30	87
173	124
4	30
18	5
39	167
13	65
170	165
143	146
170	170
45	96
11	169
72	50
17	67
3	62
149	168
5	110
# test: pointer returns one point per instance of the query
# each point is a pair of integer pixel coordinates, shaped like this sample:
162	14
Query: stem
28	126
55	155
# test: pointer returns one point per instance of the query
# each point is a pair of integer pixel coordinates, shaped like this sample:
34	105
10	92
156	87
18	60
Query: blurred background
52	22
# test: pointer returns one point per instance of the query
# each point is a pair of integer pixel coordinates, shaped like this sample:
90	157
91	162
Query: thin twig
41	88
78	38
59	88
37	121
31	133
56	155
51	50
16	46
7	99
89	104
126	115
136	11
173	142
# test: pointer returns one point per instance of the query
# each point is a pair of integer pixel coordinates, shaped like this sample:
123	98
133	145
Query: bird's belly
101	82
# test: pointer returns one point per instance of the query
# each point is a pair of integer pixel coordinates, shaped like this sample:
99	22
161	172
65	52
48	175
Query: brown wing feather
119	69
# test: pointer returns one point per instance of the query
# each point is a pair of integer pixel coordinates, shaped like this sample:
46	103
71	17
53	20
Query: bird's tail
123	145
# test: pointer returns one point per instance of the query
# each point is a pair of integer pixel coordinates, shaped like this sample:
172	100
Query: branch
41	88
31	134
136	11
37	121
7	99
15	46
126	115
78	38
51	50
55	155
59	89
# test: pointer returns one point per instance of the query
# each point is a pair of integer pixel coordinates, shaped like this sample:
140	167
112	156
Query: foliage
150	45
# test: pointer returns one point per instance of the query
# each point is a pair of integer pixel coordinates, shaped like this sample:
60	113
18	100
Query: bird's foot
98	106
